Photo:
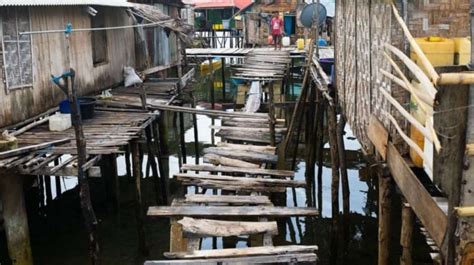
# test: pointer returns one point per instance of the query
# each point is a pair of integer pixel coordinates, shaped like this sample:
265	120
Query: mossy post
14	211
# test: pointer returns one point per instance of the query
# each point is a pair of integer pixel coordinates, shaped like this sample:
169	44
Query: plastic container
270	40
462	50
415	134
60	122
285	41
87	107
300	44
439	51
65	107
226	23
205	69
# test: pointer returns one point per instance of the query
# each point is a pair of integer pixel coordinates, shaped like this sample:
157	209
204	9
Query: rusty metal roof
115	3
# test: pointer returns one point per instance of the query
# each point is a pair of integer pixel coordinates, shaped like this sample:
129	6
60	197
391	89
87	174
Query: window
99	38
17	55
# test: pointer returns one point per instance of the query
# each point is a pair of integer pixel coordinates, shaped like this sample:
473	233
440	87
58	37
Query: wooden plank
378	135
424	206
229	211
249	171
32	148
215	113
244	181
93	172
224	161
228	199
241	252
248	147
242	155
214	228
275	259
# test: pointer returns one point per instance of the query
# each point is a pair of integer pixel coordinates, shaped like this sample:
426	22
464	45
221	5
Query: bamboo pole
429	135
404	83
456	79
416	48
415	70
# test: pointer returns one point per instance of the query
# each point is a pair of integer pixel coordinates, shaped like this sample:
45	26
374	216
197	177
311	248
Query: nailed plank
248	147
424	206
228	199
242	155
230	211
214	228
245	181
93	172
249	171
215	113
241	252
275	259
224	161
378	135
31	148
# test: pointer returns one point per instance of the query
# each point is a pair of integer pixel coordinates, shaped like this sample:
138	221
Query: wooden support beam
275	259
248	171
32	148
406	236
241	252
15	218
425	207
229	211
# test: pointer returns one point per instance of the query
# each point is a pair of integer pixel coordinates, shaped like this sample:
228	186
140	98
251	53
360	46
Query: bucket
86	106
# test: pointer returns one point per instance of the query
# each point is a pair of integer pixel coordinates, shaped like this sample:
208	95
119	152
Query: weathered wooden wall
49	58
362	28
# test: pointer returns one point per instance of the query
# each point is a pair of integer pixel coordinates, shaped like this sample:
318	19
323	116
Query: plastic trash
130	76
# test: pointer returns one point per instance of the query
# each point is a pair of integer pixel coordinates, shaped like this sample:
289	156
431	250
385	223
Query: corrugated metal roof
116	3
205	4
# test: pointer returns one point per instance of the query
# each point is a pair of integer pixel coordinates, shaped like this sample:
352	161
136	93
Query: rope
69	28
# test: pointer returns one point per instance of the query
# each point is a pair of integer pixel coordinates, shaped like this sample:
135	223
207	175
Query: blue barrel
290	24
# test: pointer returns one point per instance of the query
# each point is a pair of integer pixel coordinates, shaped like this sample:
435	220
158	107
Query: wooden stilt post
15	219
128	166
332	127
163	174
48	190
320	146
271	114
223	79
152	161
384	216
310	166
69	88
406	236
138	197
343	167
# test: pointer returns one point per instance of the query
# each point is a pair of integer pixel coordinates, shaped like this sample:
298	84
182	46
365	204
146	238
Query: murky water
58	235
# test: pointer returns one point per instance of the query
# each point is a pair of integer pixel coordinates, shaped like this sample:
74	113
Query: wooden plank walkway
237	168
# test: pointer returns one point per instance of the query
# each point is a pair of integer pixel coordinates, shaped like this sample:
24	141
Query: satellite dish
309	13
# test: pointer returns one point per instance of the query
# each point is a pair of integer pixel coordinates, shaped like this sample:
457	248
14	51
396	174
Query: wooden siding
362	28
49	58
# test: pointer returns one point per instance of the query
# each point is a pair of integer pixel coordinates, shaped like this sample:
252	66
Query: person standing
277	30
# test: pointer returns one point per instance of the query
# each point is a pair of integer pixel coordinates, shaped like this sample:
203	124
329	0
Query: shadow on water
59	237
